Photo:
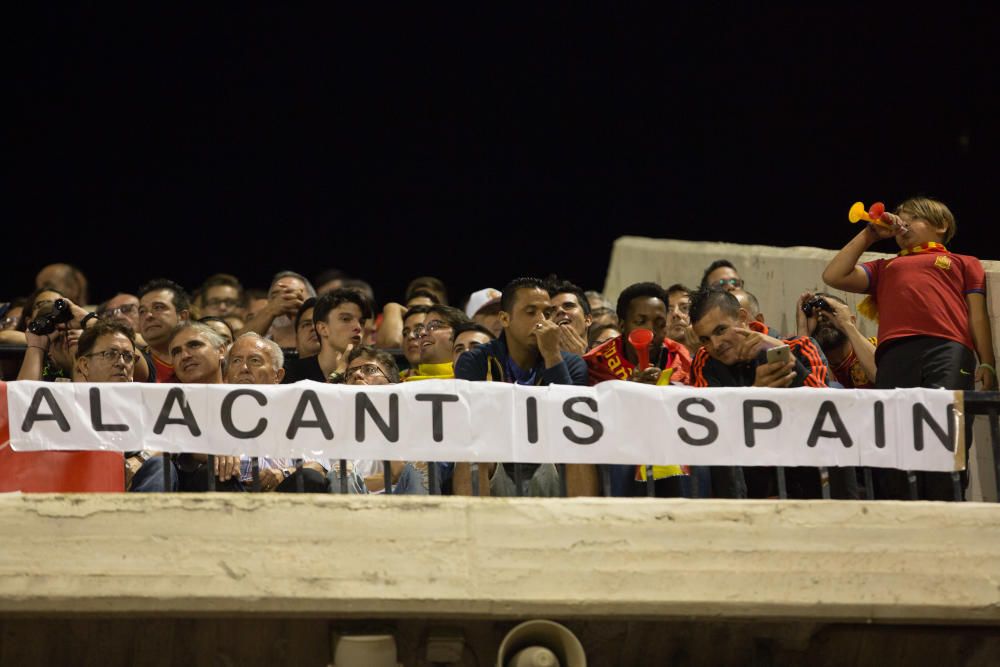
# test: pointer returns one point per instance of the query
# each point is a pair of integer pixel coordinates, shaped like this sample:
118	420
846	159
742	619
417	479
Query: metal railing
976	403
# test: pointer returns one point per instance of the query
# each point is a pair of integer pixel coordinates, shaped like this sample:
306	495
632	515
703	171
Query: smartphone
780	353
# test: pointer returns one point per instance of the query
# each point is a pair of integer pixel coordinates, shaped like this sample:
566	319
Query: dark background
479	144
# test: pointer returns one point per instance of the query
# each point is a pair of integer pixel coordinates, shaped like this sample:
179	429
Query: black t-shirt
303	369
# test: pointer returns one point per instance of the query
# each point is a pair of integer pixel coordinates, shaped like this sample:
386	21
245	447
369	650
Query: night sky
479	144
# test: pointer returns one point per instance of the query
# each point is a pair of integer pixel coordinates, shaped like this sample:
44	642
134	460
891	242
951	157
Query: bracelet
991	369
39	347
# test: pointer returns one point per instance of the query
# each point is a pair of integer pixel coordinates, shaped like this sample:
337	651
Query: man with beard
163	304
572	314
830	322
339	318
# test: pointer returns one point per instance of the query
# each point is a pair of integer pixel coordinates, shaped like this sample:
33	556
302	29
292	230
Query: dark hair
181	299
827	295
359	285
636	291
427	282
380	356
102	328
453	316
254	293
677	287
602	311
717	264
753	305
598	328
470	326
509	292
326	303
29	305
329	274
306	305
556	287
705	300
426	293
224	279
416	310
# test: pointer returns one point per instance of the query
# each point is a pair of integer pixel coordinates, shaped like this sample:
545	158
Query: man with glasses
413	320
124	308
107	353
339	318
721	274
221	295
368	366
163	304
434	338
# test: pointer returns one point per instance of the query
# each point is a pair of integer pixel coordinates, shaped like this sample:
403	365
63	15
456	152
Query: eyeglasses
733	282
127	309
366	370
229	303
428	327
111	356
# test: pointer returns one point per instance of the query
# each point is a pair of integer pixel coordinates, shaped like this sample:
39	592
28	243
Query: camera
46	322
816	302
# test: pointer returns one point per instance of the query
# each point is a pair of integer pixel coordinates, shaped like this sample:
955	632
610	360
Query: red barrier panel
55	472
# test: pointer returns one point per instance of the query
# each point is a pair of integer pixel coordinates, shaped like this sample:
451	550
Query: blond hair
932	211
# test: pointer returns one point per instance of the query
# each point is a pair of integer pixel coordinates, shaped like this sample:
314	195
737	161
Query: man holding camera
828	320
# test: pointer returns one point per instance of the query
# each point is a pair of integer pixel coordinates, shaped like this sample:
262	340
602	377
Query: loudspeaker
541	644
366	651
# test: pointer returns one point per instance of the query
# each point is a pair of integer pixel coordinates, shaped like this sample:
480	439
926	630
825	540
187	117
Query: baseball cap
479	300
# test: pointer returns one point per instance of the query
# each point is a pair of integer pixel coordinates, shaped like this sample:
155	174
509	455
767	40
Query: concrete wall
268	579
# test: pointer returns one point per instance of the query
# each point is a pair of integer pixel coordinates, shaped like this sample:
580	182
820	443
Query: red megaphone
640	340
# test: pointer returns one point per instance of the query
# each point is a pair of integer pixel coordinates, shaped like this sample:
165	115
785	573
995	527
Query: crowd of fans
932	329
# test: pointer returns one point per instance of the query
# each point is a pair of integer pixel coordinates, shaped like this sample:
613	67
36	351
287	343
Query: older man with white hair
253	359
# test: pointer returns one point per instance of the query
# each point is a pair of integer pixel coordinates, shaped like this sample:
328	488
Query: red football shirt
923	294
607	361
164	371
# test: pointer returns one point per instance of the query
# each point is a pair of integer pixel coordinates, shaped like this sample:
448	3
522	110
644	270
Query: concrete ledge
333	556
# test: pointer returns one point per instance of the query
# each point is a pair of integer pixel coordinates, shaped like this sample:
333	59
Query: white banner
454	420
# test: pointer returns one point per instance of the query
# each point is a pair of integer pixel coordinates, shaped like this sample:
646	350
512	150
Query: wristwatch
87	318
336	377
